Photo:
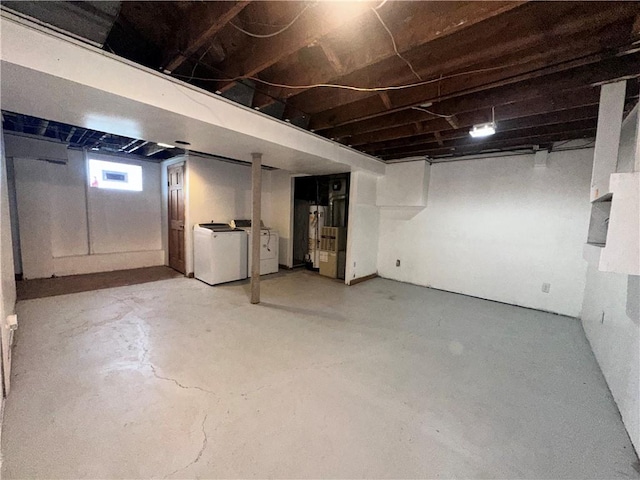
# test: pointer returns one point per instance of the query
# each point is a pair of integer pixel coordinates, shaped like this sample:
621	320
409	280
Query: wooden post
256	193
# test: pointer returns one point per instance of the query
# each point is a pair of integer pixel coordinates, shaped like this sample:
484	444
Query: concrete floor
176	379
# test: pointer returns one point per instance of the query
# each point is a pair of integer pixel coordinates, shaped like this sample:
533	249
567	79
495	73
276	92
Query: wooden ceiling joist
478	48
221	14
423	23
542	124
538	105
554	118
538	64
467	120
310	27
517	87
497	145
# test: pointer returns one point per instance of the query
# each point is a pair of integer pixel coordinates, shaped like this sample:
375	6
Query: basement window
115	176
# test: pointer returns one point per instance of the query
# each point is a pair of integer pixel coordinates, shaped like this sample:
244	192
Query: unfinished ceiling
85	138
425	72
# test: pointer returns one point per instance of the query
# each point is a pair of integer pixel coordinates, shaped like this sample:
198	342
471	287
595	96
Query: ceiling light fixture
165	145
485	129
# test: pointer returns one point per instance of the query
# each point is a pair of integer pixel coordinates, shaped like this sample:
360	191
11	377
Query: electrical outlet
398	263
546	287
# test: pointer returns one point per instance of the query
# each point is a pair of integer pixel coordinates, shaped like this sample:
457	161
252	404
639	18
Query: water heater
317	219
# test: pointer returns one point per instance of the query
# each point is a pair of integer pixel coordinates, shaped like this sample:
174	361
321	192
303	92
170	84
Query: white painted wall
611	308
7	280
30	147
126	221
13	215
282	214
621	254
67	228
68	206
364	217
221	191
497	228
34	216
611	321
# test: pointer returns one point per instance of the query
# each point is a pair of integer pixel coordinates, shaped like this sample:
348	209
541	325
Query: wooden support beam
525	142
416	23
566	28
635	30
221	15
552	118
256	194
473	117
384	96
390	127
453	121
569	76
316	22
438	138
525	136
332	58
467	140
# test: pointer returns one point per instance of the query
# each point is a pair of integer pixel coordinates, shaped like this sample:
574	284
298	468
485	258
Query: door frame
188	232
182	167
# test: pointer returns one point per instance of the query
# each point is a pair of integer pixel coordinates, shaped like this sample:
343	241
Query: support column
256	194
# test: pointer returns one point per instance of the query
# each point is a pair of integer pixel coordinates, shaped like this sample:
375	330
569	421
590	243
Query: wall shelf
621	253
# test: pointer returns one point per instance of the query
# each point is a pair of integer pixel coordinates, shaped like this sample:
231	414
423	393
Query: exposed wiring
393	41
268	239
193	71
269	35
577	147
381	4
262	24
432	113
555	147
355	88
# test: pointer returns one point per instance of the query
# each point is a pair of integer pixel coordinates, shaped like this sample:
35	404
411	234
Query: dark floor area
50	287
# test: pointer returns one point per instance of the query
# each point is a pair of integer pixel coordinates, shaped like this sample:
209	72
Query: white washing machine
219	253
269	242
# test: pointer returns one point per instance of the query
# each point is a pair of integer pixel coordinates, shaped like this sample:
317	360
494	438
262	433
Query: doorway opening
321	215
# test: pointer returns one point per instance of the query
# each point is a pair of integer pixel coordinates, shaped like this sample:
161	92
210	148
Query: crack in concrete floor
205	440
